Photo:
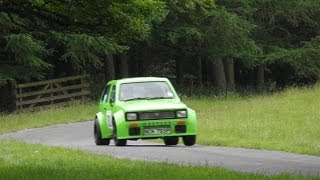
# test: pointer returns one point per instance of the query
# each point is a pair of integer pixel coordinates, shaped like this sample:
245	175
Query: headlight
131	116
181	114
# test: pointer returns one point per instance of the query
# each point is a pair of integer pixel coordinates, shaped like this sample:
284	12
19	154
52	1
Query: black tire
171	141
118	142
97	135
189	140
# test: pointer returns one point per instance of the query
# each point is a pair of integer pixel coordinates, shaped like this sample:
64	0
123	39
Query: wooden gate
44	94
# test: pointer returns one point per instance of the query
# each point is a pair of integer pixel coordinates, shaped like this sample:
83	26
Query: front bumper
136	129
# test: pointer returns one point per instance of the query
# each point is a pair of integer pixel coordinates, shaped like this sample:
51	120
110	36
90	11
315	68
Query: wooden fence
44	94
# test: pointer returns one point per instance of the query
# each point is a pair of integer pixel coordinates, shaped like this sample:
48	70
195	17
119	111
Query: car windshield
145	90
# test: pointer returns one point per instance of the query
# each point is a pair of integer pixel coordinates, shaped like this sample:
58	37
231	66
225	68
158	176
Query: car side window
113	93
105	94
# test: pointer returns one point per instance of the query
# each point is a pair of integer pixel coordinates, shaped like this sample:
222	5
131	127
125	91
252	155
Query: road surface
80	136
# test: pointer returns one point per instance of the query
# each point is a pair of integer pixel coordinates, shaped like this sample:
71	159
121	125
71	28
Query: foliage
232	35
207	29
306	59
27	55
268	34
282	28
83	50
27	50
285	24
82	32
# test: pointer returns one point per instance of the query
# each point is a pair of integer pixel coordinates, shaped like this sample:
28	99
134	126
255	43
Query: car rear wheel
97	135
170	141
118	142
189	140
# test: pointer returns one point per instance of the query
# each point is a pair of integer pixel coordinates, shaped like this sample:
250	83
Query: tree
85	31
281	27
202	30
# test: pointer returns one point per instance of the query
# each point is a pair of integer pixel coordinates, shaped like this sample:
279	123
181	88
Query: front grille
156	123
180	128
157	115
135	131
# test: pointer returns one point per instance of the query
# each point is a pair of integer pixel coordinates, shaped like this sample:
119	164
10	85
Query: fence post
13	93
51	94
83	81
20	99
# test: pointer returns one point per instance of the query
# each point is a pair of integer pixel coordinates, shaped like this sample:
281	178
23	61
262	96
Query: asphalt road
80	136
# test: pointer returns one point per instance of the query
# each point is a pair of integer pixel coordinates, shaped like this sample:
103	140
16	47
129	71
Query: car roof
138	79
141	79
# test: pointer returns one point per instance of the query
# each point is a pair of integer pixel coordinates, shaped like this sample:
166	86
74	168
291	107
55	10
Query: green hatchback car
143	108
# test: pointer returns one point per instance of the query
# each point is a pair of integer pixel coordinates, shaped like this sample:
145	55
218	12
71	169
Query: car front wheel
189	140
170	141
118	142
97	135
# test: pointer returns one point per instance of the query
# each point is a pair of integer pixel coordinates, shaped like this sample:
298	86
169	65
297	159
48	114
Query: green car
143	108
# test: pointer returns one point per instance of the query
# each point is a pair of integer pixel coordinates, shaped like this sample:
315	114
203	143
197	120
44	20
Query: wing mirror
112	100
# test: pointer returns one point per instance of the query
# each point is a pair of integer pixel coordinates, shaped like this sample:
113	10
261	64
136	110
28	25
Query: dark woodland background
201	45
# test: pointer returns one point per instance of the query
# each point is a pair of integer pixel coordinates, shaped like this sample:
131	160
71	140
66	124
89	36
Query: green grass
25	161
56	115
287	121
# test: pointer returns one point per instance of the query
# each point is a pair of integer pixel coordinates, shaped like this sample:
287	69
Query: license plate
157	131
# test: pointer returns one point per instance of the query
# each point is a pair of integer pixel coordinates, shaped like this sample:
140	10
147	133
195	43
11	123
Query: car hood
152	105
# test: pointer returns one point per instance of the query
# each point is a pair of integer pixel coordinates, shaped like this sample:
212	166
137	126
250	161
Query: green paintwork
118	109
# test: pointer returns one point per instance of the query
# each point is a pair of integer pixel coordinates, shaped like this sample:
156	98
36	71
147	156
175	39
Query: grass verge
55	115
287	121
26	161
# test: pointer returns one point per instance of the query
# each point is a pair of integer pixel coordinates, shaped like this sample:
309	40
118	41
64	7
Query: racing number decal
109	119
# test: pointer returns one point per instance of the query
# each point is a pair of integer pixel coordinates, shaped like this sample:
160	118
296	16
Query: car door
109	106
111	109
104	99
105	107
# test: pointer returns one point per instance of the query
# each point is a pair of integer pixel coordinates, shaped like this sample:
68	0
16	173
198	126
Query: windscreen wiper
147	98
136	98
160	97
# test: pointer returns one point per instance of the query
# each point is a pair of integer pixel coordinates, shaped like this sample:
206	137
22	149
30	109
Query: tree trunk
260	79
179	72
8	97
109	70
219	76
237	73
199	59
124	65
229	71
208	73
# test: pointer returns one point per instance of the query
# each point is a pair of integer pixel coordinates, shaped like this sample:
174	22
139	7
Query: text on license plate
157	131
